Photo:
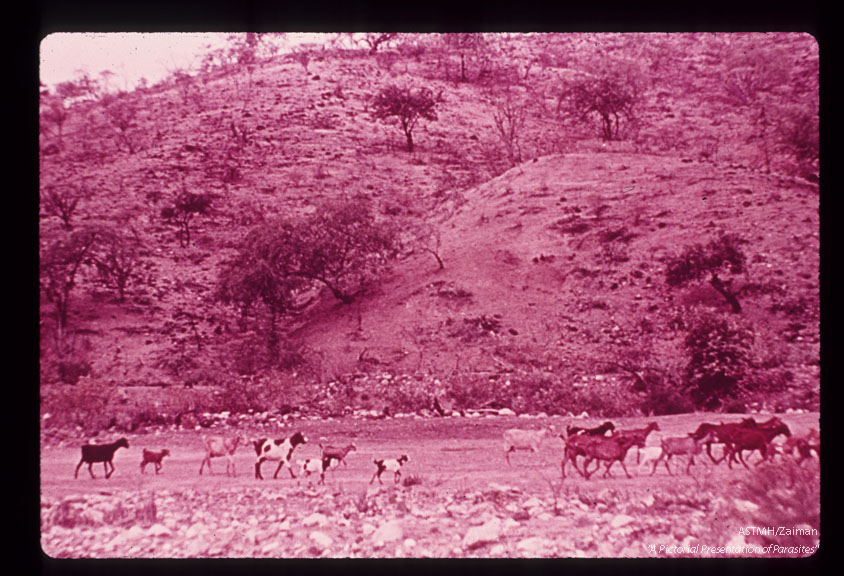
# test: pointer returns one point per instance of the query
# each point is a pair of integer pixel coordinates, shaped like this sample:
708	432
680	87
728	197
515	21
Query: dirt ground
459	488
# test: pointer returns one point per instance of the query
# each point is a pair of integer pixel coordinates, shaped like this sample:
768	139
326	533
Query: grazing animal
609	450
804	445
720	434
515	439
311	466
683	445
280	449
596	431
332	453
104	453
393	465
639	437
155	458
219	446
753	439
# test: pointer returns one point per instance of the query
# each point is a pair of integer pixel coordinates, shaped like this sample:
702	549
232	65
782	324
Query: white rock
367	529
509	523
498	550
532	545
269	548
506	412
479	535
621	520
159	530
410	543
737	541
389	532
321	539
194	530
315	519
648	500
745	506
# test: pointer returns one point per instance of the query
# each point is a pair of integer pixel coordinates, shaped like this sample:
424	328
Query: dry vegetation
533	227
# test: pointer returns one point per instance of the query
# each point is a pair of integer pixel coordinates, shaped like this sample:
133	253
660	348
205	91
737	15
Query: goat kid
155	458
280	449
92	453
311	466
393	465
333	453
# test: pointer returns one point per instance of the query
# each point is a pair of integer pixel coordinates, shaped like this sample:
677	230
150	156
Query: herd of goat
599	444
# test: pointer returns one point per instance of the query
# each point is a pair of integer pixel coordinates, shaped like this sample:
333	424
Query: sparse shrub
721	255
61	200
116	257
788	496
412	480
473	328
72	369
719	359
664	397
509	120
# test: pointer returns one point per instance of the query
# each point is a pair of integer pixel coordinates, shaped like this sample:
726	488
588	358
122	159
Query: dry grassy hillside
553	293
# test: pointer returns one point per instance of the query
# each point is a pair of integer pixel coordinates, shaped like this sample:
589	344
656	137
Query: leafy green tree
698	261
343	246
263	272
406	105
608	93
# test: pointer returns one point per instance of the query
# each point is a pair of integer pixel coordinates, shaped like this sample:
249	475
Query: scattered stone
389	532
532	546
745	505
737	541
321	539
484	534
315	519
410	543
648	500
621	520
159	530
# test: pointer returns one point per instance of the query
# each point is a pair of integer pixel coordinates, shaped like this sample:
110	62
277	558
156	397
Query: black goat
104	453
596	431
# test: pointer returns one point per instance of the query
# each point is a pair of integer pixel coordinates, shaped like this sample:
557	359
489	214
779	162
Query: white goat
516	439
219	446
311	466
683	445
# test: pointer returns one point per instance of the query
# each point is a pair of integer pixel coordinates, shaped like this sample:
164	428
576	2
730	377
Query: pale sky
130	56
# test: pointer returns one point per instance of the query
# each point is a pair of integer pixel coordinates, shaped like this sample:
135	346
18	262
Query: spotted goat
280	450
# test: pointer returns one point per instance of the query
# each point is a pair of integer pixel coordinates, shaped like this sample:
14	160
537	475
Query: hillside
553	293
